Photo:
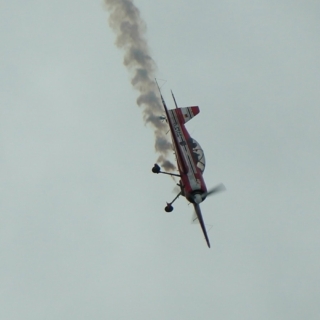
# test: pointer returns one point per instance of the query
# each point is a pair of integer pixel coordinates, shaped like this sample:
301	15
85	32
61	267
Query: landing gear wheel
156	169
168	208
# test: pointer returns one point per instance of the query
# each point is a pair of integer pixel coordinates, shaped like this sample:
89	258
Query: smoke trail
130	29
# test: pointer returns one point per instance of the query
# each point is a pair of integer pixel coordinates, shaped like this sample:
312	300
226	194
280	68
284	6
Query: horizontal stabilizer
188	113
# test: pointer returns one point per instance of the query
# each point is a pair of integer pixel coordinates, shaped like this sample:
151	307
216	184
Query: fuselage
192	182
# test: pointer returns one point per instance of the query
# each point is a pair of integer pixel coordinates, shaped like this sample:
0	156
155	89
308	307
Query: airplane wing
199	216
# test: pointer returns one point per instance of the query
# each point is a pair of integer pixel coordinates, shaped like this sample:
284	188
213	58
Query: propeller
194	218
219	188
176	189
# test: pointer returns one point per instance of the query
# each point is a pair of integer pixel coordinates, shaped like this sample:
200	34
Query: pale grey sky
83	233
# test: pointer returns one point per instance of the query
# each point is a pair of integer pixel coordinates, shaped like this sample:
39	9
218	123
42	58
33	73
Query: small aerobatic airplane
190	161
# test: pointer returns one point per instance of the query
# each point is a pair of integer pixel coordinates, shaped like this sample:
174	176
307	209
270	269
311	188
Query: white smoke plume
130	32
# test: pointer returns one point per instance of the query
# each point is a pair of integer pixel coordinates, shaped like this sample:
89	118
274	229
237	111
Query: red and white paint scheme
190	161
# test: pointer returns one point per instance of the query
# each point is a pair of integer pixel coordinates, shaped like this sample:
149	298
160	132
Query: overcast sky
83	233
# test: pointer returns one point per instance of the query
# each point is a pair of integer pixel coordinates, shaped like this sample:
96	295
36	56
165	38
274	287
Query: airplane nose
197	198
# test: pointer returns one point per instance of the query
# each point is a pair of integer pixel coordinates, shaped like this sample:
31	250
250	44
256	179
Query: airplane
190	160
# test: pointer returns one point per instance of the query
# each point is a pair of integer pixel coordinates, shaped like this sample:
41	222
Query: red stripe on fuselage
174	124
191	175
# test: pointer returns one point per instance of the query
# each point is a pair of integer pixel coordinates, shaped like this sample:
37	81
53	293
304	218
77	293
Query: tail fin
188	113
184	114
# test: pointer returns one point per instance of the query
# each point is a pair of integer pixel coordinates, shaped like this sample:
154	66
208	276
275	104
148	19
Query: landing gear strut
169	207
156	169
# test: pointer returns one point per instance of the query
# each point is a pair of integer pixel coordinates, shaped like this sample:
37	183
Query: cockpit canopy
197	154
